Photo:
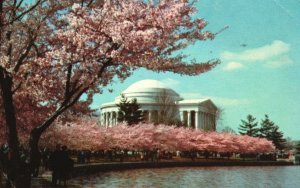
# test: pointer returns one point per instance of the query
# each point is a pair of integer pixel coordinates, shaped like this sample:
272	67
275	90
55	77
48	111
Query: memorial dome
147	91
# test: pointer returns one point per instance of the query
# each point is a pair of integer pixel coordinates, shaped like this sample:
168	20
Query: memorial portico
193	113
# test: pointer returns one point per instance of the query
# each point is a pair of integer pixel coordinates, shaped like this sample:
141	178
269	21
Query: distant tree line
268	129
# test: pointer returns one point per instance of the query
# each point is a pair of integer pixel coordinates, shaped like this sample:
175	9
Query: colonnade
109	119
189	118
198	120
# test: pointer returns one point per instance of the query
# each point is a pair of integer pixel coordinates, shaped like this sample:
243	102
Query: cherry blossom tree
53	52
86	134
80	134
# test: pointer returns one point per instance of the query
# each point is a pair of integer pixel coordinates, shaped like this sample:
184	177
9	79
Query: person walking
54	164
66	165
61	165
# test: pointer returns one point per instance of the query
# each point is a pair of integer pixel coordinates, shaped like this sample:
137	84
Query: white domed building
160	103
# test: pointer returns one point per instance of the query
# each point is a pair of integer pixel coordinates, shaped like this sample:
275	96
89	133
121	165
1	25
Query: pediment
209	105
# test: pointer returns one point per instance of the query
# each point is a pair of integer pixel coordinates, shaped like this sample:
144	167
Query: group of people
58	161
61	165
7	163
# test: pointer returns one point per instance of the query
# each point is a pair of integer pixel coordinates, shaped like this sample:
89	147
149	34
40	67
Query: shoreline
91	168
44	180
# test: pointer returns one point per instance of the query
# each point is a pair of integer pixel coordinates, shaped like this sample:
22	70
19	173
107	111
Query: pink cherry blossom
86	134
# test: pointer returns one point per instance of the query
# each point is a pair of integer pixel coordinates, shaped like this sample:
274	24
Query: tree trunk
17	172
35	136
34	149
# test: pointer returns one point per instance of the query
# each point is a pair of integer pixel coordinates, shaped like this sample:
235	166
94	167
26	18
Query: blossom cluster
145	137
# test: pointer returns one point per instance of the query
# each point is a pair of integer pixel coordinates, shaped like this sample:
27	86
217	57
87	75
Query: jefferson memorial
156	99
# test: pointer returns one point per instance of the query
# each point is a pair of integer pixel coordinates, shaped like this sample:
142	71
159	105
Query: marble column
210	122
205	121
102	119
149	116
117	116
107	119
181	116
110	119
196	120
114	118
189	119
215	123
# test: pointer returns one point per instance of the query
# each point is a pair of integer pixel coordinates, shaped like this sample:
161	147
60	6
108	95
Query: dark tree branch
19	4
70	102
68	81
9	50
90	3
17	87
15	3
24	55
26	12
20	84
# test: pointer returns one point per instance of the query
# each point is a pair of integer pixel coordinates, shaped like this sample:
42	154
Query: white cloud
273	55
263	53
219	101
281	61
233	66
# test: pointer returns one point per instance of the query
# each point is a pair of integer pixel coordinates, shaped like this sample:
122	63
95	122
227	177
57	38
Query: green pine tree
277	138
249	127
271	132
129	111
266	128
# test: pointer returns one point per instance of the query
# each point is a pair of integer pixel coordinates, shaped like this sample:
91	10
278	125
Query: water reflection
255	177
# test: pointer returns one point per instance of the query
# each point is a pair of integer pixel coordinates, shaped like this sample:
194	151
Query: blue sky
259	73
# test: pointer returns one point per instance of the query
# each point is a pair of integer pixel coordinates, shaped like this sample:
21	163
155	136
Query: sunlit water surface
256	177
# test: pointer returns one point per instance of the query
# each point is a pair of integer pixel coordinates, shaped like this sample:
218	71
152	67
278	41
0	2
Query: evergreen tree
277	138
266	128
249	127
129	111
271	132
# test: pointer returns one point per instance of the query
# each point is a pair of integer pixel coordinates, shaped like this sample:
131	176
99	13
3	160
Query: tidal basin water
241	177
